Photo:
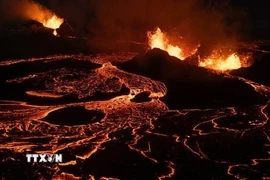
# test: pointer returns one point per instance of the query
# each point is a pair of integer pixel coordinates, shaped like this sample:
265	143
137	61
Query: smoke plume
108	20
24	10
196	20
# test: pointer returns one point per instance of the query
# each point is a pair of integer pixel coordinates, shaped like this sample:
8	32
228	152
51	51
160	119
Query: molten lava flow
140	130
221	63
159	40
54	23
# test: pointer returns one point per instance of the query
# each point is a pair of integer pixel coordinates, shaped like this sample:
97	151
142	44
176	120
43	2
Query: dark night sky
91	16
256	23
258	16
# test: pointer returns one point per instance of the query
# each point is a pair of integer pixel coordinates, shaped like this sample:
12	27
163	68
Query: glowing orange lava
216	61
54	23
158	39
221	63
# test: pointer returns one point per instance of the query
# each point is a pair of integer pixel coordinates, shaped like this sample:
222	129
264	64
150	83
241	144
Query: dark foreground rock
191	86
259	71
74	116
28	44
142	97
28	39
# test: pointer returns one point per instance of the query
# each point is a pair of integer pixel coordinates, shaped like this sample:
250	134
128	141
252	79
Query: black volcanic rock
193	59
35	27
203	51
191	86
77	115
27	26
142	97
34	40
65	30
24	69
158	65
258	72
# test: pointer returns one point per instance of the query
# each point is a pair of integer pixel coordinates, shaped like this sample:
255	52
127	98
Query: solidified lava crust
74	116
152	117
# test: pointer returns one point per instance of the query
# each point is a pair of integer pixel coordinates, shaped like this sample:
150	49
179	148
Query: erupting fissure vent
158	39
32	10
216	61
54	23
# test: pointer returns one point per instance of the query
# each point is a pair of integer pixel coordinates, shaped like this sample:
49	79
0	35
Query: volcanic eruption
219	62
32	10
53	22
216	60
159	39
178	106
46	17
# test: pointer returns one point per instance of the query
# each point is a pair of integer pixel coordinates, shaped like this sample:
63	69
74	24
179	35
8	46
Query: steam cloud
195	20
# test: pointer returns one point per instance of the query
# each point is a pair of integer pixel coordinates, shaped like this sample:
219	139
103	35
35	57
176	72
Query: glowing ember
159	40
55	32
218	62
54	23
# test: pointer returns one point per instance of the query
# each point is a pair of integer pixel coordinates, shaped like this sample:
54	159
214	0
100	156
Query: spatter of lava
53	22
159	39
216	61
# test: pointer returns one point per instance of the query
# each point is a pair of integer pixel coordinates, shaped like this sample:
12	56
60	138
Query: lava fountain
54	23
32	10
158	39
216	61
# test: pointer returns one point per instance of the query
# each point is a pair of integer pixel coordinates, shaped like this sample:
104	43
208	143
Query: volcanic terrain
130	115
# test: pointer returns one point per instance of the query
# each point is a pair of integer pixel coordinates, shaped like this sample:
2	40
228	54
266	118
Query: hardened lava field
151	116
134	90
